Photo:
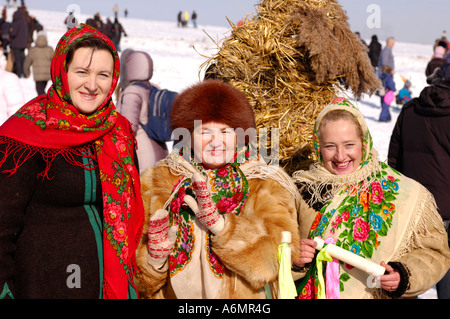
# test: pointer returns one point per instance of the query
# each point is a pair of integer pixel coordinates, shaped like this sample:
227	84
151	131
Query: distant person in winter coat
366	47
420	147
39	58
19	40
117	30
194	19
437	60
137	67
185	18
4	31
386	55
97	22
33	25
374	51
179	19
387	79
107	28
11	92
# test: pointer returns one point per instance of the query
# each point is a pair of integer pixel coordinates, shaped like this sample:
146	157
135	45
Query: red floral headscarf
51	125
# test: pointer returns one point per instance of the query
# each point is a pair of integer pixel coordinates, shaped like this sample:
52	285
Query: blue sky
416	21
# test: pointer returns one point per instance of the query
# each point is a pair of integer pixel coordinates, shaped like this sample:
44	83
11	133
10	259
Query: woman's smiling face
90	76
340	146
214	144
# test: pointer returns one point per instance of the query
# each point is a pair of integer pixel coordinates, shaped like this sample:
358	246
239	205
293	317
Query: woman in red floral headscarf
70	201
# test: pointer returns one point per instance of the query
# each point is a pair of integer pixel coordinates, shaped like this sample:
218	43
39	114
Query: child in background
387	78
404	95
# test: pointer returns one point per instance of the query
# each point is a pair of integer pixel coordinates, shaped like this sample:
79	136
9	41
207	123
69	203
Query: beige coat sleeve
248	244
428	256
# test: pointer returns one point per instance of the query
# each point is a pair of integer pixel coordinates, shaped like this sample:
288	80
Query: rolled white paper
350	258
286	237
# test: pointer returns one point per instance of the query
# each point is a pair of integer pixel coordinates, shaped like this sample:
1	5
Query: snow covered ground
178	54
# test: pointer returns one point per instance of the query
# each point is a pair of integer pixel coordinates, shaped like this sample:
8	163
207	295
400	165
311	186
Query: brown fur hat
212	101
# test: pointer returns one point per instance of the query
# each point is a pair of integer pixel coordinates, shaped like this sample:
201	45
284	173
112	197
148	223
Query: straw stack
291	60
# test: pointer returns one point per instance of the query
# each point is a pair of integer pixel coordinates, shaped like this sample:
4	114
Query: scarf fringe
318	179
21	152
419	227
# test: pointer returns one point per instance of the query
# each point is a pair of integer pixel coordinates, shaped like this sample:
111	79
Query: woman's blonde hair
340	115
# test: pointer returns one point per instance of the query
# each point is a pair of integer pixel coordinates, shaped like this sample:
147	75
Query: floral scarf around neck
50	125
362	209
229	191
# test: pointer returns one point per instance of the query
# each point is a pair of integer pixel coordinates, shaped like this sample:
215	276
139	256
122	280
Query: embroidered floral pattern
229	191
362	218
183	216
117	207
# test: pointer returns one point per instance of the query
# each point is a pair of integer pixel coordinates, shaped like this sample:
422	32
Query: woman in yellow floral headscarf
360	204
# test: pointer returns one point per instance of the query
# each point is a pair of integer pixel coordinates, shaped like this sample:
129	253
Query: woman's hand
204	209
391	280
161	238
307	252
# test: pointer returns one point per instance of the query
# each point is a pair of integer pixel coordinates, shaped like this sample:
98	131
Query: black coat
433	64
19	31
374	52
47	227
420	143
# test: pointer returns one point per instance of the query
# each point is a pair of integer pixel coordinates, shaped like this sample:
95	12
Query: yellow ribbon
322	256
285	280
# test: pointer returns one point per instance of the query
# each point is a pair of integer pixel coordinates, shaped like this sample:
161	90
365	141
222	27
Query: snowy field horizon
179	53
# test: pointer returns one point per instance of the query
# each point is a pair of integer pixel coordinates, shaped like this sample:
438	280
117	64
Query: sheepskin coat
247	246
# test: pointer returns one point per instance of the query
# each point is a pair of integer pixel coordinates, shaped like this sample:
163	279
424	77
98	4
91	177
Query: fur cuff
159	265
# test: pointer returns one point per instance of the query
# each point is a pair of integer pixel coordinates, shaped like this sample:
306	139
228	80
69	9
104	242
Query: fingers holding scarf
205	209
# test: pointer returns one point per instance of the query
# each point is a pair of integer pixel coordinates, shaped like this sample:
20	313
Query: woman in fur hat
214	211
363	205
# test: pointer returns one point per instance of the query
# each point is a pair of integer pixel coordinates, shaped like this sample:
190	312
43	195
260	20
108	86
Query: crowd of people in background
17	36
112	29
383	62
